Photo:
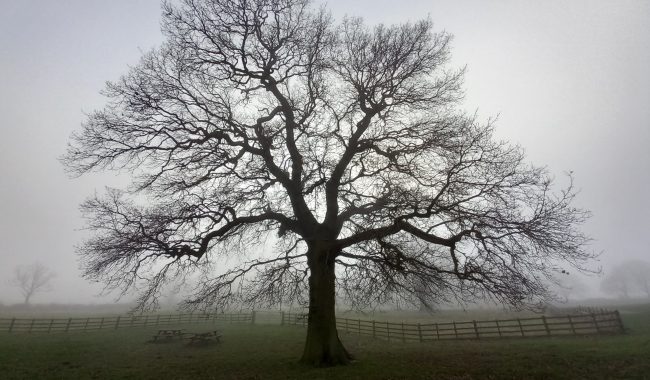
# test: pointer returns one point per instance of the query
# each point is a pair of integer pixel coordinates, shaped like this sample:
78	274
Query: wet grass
271	352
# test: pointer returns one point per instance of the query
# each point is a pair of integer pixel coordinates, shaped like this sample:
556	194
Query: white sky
570	81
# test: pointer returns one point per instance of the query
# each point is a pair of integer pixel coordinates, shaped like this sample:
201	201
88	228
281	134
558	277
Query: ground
271	352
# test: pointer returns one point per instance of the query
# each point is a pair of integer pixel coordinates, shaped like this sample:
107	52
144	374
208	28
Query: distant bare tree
265	117
629	278
32	279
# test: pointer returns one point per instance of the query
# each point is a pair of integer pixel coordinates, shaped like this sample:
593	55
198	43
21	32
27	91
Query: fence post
86	325
476	329
282	318
31	326
437	332
49	328
403	336
117	322
11	325
593	318
157	319
455	330
498	327
253	317
101	325
521	328
67	326
373	329
620	321
548	330
388	331
359	326
420	332
573	329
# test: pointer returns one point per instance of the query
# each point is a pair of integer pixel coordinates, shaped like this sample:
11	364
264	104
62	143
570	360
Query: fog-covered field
266	351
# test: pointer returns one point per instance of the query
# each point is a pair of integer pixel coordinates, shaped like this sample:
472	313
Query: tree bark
323	347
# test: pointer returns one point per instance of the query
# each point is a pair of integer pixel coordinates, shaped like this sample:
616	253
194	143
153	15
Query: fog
569	83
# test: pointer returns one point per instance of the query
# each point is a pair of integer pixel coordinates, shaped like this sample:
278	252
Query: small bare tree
32	279
265	117
629	278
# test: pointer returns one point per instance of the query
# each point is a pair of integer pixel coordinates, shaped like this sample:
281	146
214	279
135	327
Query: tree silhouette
262	118
631	277
32	279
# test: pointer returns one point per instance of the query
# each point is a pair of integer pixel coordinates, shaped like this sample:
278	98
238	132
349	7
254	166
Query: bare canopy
629	278
32	279
266	116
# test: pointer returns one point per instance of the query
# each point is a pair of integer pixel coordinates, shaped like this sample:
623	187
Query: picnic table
167	335
205	337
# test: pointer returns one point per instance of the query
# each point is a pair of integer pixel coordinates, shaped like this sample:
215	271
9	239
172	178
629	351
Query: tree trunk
323	347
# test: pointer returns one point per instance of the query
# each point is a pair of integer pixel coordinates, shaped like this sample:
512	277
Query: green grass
271	352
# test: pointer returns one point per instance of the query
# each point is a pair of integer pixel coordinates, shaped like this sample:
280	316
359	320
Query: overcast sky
568	79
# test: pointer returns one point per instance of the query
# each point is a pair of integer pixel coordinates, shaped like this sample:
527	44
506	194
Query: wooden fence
579	324
52	325
602	322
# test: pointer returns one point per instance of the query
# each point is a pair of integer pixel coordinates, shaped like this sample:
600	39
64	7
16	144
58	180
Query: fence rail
579	324
604	322
52	325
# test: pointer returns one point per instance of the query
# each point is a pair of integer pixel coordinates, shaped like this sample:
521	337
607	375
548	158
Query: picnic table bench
210	336
167	335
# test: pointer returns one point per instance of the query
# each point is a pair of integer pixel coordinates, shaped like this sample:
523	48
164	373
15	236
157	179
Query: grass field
271	352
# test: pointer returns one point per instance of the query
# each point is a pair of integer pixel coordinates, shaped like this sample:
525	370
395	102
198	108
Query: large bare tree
260	118
32	279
